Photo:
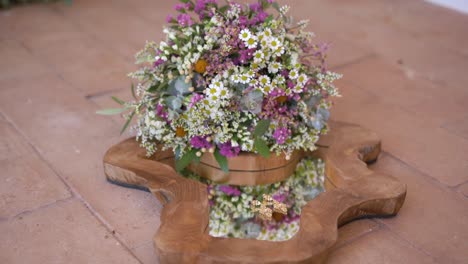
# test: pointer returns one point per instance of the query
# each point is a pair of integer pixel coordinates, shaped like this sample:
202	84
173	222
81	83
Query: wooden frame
353	192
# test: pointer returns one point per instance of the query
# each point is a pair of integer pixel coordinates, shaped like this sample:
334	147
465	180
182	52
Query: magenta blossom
227	150
184	20
169	19
195	99
200	142
229	190
281	134
161	112
179	7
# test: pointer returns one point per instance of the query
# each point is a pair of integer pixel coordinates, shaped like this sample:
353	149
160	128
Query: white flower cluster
231	216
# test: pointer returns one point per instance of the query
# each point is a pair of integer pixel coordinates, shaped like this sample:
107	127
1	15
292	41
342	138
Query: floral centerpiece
231	79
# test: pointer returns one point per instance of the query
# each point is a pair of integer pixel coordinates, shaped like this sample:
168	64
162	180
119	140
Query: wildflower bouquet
232	78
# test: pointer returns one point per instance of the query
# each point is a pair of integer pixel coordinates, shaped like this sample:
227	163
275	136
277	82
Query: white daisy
302	79
244	78
267	89
280	79
245	34
264	80
251	42
293	74
235	78
258	56
297	88
274	43
274	67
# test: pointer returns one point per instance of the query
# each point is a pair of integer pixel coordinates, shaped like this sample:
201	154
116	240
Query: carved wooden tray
352	192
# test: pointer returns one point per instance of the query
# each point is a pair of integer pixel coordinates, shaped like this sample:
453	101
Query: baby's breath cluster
231	78
231	216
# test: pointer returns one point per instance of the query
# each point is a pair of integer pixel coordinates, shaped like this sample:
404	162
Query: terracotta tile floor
406	73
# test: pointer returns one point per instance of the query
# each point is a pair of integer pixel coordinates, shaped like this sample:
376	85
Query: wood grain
353	191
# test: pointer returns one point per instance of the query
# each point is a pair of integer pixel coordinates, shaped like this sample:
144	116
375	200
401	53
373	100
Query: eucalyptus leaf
111	111
262	127
252	102
178	86
222	161
316	123
185	160
313	102
262	147
323	113
173	102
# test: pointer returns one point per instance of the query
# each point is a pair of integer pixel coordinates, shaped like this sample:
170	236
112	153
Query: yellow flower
180	132
200	66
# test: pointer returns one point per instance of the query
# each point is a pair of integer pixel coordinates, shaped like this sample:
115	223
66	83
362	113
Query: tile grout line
428	177
354	61
351	240
72	190
37	208
394	234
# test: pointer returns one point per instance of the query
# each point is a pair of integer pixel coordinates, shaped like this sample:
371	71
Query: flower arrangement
230	213
230	79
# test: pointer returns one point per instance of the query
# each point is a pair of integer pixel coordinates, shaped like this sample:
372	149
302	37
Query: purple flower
280	197
195	99
200	6
256	7
200	142
179	7
161	113
188	6
281	134
246	55
227	150
184	20
158	62
229	190
243	21
169	19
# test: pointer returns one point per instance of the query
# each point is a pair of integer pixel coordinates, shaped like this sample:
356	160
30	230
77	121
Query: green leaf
185	160
117	100
129	119
111	111
222	161
132	87
223	9
262	127
268	19
173	102
262	147
276	6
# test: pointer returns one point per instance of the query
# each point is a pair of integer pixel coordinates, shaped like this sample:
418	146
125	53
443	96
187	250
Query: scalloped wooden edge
353	192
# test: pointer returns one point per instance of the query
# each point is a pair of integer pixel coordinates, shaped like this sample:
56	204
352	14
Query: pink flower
281	134
227	150
229	190
200	142
184	20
